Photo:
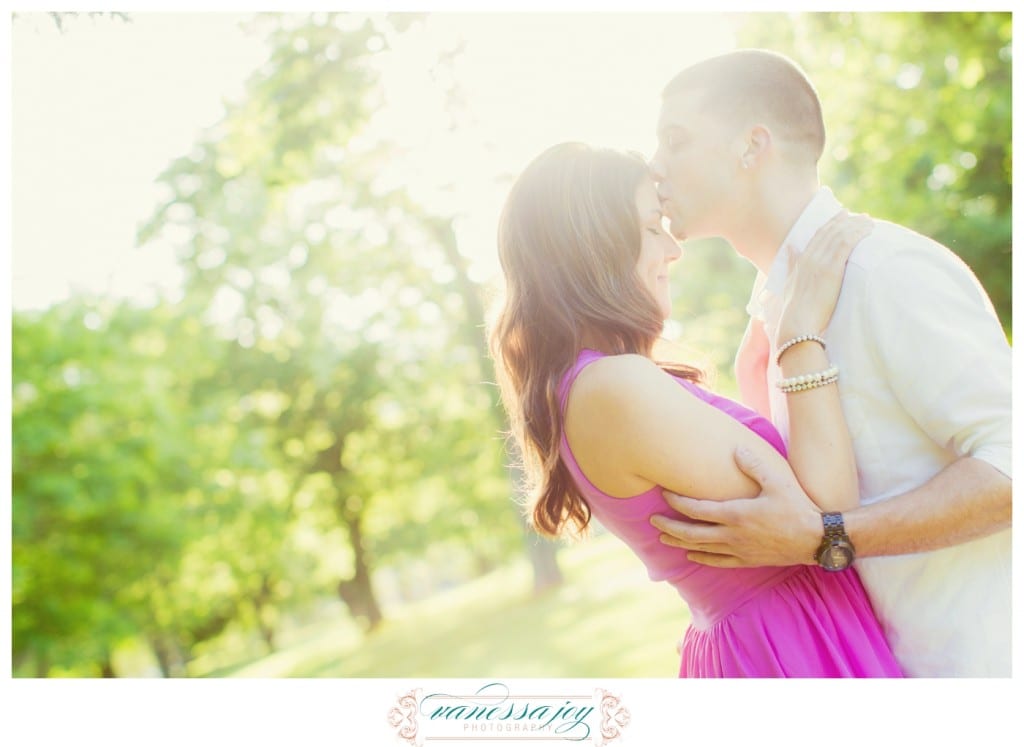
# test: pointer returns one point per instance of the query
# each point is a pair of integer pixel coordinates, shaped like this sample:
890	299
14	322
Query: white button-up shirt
924	379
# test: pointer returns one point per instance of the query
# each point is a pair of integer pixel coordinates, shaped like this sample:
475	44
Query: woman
603	429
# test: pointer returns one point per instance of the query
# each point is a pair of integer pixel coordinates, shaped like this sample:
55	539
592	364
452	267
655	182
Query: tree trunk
42	662
169	656
163	657
261	603
483	563
357	592
542	552
544	556
107	668
267	634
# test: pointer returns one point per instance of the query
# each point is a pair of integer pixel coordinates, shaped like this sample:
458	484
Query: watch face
836	557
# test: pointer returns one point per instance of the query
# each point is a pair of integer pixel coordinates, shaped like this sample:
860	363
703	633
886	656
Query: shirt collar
822	207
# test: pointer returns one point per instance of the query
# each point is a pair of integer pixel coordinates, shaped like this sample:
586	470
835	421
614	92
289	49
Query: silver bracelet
796	341
810	381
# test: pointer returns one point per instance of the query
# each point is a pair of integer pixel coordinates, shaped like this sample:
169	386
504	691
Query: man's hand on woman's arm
967	500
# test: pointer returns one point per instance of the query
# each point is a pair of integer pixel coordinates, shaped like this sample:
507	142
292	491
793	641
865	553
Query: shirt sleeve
943	352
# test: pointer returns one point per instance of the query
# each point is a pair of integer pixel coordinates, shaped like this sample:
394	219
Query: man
924	376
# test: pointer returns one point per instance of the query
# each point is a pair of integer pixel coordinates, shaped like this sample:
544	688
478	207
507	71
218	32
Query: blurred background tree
308	433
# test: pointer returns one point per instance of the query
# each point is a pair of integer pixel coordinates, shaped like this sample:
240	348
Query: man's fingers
824	236
684	531
713	512
848	234
691	546
837	238
853	231
716	560
687	535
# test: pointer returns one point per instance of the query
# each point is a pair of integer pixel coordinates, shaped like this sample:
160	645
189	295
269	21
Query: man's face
696	167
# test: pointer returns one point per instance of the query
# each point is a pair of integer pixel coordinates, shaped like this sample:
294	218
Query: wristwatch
835	553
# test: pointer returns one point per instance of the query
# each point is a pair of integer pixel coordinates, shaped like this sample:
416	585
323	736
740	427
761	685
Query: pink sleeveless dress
796	621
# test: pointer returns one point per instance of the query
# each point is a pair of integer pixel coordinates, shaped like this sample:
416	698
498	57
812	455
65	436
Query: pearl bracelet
796	341
809	381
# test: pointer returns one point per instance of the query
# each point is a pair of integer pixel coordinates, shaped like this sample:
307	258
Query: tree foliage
354	330
918	113
102	464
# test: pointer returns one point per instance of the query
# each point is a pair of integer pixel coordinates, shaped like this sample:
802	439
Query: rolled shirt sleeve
939	344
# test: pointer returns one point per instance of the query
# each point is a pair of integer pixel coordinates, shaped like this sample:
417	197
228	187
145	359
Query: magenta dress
798	621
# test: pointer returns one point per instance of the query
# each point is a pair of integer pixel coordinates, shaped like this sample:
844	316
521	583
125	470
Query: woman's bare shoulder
617	378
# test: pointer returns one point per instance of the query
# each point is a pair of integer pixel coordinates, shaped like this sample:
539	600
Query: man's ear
758	142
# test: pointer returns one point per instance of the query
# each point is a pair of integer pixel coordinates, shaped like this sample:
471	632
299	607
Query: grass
607	620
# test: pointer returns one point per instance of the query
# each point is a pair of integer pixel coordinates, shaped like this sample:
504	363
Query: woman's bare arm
820	448
632	426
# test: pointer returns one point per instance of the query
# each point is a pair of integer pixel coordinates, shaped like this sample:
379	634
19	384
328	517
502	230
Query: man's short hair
761	85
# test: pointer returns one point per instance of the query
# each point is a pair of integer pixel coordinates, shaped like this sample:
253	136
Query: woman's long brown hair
568	240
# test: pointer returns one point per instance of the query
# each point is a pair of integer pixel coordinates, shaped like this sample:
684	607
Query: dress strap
584	359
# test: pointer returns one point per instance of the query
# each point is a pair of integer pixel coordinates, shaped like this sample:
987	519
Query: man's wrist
810	537
856	520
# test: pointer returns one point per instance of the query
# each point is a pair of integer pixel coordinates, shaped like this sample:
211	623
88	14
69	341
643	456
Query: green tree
140	511
350	329
101	459
918	113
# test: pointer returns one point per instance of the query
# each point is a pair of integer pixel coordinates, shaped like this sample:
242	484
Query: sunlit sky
100	109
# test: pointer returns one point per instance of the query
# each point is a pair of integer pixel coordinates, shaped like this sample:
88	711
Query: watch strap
833	524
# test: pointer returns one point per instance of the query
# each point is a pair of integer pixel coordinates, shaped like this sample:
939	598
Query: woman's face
657	248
